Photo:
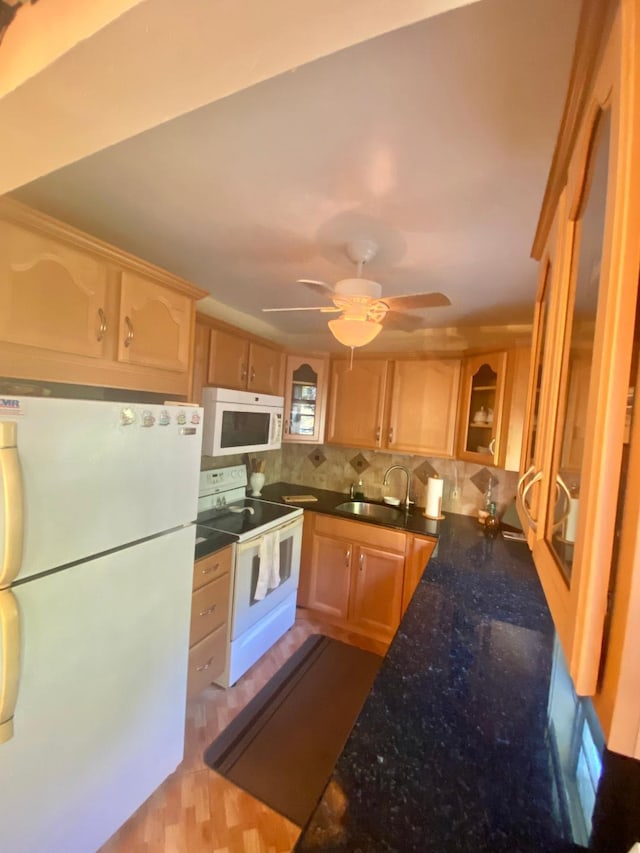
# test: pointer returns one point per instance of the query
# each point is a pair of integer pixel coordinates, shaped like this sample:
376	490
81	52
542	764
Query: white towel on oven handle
269	569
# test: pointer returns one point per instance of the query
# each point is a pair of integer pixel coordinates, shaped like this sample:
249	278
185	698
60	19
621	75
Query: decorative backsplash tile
332	467
359	463
317	457
482	478
424	471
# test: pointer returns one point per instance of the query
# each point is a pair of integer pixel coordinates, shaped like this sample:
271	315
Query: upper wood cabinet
356	402
581	459
155	324
424	398
481	408
404	405
305	397
75	310
244	364
52	295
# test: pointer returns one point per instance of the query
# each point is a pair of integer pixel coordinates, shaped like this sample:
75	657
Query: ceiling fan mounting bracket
362	251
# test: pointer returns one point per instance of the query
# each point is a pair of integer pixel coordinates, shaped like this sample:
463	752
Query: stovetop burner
222	505
246	517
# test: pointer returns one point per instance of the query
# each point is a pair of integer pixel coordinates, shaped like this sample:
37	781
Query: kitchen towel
433	503
269	570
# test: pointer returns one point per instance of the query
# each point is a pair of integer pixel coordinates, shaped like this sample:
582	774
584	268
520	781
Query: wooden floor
197	811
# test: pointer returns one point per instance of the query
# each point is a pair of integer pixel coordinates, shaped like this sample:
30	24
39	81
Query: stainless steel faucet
407	472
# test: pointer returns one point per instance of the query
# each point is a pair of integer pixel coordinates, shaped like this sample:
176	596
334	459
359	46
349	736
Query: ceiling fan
360	303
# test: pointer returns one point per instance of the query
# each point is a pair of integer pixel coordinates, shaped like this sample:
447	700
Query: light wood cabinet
52	295
75	310
305	397
482	398
403	405
581	456
210	613
356	402
419	550
424	399
352	574
155	324
246	365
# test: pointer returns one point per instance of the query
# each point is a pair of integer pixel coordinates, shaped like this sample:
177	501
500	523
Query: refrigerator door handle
9	661
12	498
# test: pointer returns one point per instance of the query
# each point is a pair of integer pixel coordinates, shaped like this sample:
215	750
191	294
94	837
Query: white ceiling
435	140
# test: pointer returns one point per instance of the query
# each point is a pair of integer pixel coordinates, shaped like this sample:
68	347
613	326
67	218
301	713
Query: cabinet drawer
212	566
209	608
206	661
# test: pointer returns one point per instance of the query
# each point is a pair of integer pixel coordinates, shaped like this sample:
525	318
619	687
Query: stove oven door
247	610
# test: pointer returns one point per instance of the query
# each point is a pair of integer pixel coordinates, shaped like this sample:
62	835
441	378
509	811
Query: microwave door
243	428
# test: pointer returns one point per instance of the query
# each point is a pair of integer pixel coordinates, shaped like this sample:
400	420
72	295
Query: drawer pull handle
209	610
204	665
206	570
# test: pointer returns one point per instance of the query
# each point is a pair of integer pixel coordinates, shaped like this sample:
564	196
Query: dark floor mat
282	747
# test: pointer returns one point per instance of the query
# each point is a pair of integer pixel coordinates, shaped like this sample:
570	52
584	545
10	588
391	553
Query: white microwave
240	422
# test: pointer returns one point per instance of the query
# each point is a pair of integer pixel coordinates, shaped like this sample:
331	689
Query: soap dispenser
358	491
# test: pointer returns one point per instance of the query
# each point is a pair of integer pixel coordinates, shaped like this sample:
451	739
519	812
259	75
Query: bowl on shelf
482	449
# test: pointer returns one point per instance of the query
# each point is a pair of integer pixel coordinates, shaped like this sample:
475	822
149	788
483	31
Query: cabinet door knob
378	433
390	435
361	560
243	371
253	374
129	336
347	558
102	328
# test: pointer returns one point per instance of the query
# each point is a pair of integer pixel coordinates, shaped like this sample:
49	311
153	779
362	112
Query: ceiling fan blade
318	286
402	322
324	308
416	300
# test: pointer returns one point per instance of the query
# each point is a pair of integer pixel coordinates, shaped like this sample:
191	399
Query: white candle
433	503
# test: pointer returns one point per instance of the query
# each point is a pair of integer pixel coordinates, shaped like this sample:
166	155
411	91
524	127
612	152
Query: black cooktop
244	517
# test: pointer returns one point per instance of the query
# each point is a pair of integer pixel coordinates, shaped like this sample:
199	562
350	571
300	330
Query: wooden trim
18	362
20	214
596	19
214	323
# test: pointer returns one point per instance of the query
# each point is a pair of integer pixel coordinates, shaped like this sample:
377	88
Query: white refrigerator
97	504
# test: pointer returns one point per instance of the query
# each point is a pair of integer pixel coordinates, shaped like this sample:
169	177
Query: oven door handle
283	531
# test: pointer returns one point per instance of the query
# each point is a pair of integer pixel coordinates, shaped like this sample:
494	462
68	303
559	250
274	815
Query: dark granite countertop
451	751
208	541
327	501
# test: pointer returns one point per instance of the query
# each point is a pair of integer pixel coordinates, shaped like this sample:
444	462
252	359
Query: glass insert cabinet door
567	467
305	393
482	399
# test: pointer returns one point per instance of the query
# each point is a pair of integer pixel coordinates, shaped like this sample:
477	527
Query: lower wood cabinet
418	552
209	633
354	574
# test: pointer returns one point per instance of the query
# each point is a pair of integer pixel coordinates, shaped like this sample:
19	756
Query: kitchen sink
377	512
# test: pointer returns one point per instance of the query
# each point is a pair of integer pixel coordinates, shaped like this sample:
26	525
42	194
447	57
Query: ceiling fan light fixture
353	332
